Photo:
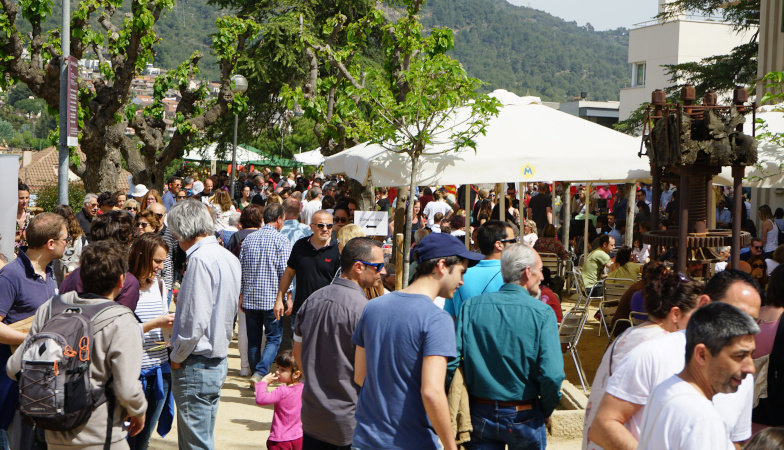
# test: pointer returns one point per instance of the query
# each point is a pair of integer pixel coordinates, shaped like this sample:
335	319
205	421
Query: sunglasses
323	225
509	241
159	215
142	225
341	219
756	247
131	208
378	266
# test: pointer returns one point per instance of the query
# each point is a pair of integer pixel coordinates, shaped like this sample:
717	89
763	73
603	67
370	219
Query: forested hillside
527	51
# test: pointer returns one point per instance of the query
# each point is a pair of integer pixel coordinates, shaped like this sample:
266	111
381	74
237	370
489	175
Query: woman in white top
145	260
670	299
529	233
769	231
222	208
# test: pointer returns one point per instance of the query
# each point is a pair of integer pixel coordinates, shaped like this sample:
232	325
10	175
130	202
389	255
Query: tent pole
567	206
737	203
585	215
630	194
500	194
520	197
467	216
554	221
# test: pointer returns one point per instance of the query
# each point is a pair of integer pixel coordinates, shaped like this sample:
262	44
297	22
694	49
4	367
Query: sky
601	14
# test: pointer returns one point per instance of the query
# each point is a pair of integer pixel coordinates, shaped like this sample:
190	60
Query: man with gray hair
89	210
203	325
512	359
679	414
312	206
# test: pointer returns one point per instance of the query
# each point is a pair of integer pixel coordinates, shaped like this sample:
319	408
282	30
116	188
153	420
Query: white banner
9	177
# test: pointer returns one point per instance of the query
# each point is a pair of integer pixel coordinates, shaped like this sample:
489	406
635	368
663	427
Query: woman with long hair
769	231
245	200
548	243
417	219
485	211
222	208
145	261
624	267
23	216
529	233
152	196
670	300
769	318
73	251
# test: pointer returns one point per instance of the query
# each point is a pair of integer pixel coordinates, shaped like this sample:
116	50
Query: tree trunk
409	213
400	218
365	194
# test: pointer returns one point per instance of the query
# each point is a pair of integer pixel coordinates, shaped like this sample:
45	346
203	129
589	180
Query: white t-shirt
678	417
612	358
308	210
658	359
434	207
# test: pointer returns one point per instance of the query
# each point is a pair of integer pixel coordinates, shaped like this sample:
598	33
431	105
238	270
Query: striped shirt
263	259
168	265
152	303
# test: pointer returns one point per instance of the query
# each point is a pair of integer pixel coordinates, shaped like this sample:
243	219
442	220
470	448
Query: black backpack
55	392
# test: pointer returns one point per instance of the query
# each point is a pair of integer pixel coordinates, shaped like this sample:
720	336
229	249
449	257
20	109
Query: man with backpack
91	344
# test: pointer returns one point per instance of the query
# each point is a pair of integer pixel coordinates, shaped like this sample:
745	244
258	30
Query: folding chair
552	262
638	317
583	291
569	333
614	288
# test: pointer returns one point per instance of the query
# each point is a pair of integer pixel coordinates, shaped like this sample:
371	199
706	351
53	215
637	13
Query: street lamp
240	85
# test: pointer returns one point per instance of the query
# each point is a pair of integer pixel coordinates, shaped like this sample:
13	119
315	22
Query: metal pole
737	204
585	215
467	216
630	195
567	206
65	50
683	226
234	161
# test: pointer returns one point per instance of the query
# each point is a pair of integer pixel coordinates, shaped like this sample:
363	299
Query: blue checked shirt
263	259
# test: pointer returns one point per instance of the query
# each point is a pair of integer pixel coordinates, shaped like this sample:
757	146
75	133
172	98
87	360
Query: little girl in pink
286	429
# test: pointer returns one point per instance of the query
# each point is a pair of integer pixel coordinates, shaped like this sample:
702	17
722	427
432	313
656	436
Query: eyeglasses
323	225
341	219
159	215
378	266
131	208
180	197
142	225
509	241
756	247
67	239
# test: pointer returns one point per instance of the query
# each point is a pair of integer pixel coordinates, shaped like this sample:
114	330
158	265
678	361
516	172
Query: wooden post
468	211
656	197
566	206
710	214
399	262
683	215
737	204
521	196
630	212
500	195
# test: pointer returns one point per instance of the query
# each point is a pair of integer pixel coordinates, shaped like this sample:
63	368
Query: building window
638	74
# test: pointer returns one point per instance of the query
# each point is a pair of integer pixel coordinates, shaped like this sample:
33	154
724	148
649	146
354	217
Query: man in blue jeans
203	323
263	259
512	360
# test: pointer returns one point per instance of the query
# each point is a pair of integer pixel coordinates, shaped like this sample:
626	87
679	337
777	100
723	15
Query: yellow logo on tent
528	171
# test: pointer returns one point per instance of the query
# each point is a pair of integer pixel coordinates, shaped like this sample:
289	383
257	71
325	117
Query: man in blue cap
403	343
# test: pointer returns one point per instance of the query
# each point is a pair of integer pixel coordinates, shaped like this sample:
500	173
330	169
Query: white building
683	39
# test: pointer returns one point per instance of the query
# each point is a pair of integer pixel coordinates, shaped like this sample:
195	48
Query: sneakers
253	380
244	372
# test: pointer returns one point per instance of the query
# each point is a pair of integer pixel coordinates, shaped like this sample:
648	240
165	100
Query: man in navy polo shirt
314	260
25	284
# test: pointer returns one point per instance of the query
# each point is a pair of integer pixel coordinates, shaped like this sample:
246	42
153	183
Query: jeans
197	388
258	323
495	427
154	408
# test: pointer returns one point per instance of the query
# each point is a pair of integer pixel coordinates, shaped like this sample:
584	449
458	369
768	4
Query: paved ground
243	424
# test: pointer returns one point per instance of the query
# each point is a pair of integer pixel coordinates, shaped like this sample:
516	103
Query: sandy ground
243	424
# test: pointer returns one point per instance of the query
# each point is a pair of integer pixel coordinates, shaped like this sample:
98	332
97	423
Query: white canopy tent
527	141
311	158
209	154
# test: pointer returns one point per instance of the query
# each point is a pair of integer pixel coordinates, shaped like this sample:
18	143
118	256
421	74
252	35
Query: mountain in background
530	52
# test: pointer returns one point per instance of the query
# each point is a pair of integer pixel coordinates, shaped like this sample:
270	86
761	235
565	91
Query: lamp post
240	85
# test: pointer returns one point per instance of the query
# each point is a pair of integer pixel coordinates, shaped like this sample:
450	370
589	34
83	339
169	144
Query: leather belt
519	405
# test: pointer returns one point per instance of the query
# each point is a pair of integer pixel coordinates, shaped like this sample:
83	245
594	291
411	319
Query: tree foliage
123	50
408	105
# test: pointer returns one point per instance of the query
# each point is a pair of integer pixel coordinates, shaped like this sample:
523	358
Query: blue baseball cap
442	245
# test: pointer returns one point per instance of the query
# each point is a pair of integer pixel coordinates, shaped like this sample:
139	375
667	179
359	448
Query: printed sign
528	171
373	223
73	101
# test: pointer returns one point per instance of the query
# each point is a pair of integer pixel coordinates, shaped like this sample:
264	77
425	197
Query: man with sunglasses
322	339
314	260
493	237
755	249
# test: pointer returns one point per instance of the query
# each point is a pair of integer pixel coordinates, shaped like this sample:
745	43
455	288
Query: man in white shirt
679	414
619	417
312	206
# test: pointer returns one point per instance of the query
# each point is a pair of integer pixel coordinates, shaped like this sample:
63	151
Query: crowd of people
468	353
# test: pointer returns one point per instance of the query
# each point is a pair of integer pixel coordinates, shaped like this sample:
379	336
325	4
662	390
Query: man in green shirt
512	361
596	262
